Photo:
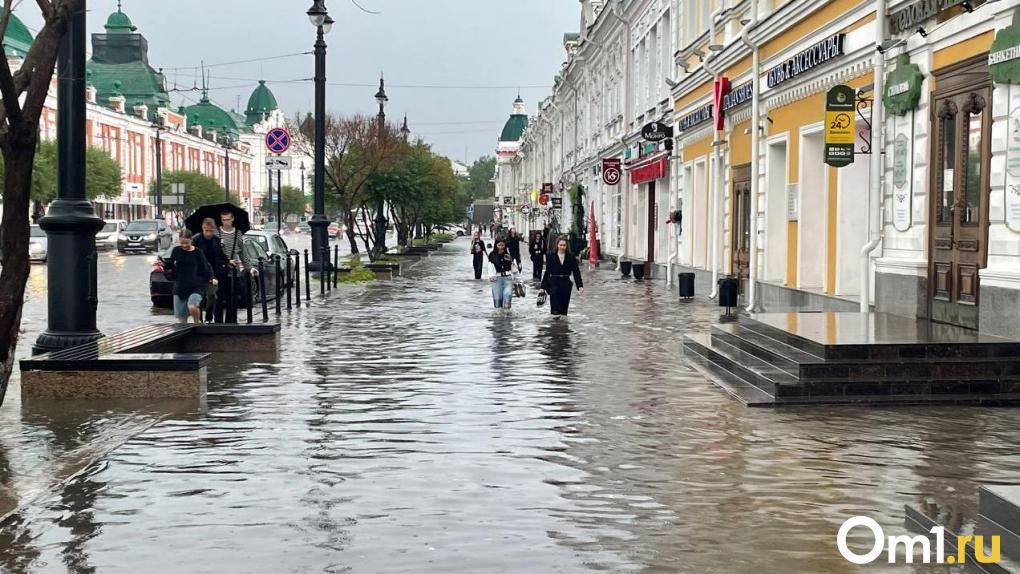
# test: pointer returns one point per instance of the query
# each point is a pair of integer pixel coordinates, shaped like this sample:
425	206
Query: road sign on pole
278	162
278	140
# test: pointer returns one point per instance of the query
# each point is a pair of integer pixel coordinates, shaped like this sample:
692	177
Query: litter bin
686	282
728	288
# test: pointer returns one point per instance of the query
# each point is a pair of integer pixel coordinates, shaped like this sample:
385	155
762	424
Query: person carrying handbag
560	267
502	271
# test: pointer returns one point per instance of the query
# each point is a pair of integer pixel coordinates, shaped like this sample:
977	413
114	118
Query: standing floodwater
410	428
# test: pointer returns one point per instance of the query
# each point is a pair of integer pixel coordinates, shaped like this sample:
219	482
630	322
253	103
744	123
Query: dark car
161	289
145	236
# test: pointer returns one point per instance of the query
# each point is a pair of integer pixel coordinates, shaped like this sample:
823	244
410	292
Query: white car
37	244
453	229
107	236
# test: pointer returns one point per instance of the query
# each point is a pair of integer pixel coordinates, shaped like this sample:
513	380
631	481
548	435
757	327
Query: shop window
947	162
975	126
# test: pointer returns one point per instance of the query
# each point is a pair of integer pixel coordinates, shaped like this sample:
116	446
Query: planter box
391	269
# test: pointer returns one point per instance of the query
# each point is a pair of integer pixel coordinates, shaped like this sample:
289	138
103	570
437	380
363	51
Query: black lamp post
158	126
380	214
71	224
318	222
227	142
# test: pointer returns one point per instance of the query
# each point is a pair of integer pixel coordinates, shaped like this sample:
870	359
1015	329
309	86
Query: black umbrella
241	220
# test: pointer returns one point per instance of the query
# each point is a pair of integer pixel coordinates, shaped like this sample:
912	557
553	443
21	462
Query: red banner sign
720	88
649	172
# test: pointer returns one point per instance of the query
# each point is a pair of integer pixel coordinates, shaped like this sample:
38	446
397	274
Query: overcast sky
480	43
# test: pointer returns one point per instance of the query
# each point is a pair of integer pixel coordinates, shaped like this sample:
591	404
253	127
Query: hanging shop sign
1004	57
695	118
720	88
557	203
547	188
909	18
839	126
507	200
737	96
902	194
818	54
903	87
611	171
544	199
656	132
648	172
525	210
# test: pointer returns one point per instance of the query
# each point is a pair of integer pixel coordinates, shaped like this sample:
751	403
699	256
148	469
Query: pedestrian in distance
559	268
513	245
536	247
502	269
210	245
191	273
478	253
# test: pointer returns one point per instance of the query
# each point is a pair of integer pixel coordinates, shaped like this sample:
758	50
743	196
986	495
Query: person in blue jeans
191	272
502	269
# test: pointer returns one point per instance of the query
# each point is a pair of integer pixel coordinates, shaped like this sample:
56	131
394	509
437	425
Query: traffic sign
544	198
278	162
278	140
526	209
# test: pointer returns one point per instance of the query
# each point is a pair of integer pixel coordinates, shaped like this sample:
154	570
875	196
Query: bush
442	237
358	275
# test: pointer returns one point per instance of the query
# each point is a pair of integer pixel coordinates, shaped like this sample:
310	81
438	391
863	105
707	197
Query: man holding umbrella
233	224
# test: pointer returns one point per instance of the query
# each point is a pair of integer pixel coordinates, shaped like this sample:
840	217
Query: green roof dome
260	104
18	39
119	23
514	128
212	117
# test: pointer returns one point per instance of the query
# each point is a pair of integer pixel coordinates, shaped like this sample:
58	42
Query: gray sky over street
463	43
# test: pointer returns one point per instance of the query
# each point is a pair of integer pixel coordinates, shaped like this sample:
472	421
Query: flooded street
408	428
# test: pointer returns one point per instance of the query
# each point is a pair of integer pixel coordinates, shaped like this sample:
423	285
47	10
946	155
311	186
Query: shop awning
649	170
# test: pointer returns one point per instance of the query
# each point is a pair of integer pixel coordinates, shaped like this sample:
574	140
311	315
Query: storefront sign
828	49
839	126
695	118
656	132
611	171
908	19
1013	167
547	188
720	88
648	172
903	87
557	203
1004	57
902	194
738	95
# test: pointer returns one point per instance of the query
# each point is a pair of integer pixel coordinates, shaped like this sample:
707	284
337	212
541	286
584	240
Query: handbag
541	298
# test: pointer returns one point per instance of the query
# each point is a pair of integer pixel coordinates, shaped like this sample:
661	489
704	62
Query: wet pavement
409	428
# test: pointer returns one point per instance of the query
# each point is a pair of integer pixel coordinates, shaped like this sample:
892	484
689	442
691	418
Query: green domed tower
214	118
261	103
18	39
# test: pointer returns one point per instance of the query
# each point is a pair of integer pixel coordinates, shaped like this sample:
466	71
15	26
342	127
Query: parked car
37	244
274	227
270	241
145	235
452	229
161	289
337	230
109	234
303	227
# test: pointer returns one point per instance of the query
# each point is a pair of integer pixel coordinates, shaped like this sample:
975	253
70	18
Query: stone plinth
82	385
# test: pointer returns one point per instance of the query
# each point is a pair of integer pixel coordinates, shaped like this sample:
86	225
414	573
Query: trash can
686	282
639	271
728	288
625	268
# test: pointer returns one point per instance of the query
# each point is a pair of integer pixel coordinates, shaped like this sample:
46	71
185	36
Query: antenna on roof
118	5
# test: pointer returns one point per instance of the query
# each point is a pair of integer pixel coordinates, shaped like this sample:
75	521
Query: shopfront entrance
740	241
959	190
650	227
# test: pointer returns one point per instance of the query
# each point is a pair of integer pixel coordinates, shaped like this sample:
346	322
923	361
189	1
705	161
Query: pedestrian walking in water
478	253
513	245
502	269
536	247
559	268
191	272
210	245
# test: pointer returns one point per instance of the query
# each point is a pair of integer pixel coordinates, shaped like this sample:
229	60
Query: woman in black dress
536	247
560	266
477	253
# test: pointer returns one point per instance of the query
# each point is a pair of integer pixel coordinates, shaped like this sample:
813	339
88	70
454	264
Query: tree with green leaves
293	203
102	175
199	190
480	174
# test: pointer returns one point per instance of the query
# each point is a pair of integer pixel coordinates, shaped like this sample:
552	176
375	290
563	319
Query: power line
375	84
249	61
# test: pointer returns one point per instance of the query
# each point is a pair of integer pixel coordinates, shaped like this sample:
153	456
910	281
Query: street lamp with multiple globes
318	222
380	215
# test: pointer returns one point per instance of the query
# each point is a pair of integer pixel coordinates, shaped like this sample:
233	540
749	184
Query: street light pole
71	224
318	222
159	170
380	214
226	169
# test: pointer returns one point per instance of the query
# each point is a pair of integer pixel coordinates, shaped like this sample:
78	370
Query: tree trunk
14	247
349	222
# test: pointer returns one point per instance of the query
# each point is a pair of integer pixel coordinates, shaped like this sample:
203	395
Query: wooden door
740	239
651	227
959	191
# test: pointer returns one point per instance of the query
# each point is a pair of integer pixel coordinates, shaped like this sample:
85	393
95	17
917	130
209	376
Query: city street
408	427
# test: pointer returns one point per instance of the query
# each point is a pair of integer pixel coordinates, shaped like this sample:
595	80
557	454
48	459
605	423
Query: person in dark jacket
478	253
559	267
513	245
536	247
211	246
191	274
502	271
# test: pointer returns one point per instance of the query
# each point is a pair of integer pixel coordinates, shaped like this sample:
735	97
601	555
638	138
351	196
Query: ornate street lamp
318	222
380	215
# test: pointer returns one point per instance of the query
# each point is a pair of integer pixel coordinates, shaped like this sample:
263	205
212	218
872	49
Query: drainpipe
877	145
715	204
752	279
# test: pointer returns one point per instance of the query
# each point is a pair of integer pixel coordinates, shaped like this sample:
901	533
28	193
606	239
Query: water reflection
405	428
